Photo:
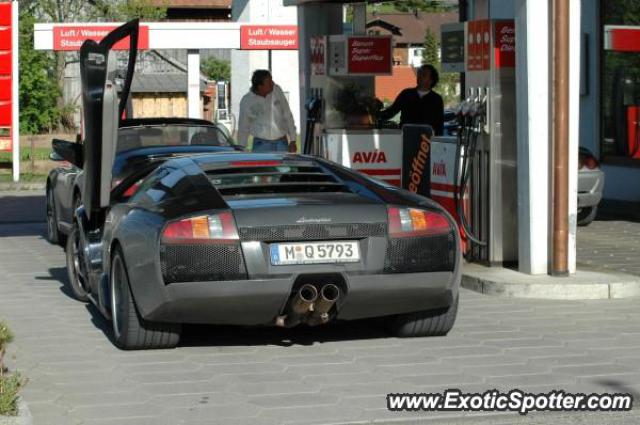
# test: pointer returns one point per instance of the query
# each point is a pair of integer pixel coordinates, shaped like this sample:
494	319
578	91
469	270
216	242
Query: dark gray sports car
249	239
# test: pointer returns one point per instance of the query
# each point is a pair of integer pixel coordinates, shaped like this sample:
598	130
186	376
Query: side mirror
67	151
55	156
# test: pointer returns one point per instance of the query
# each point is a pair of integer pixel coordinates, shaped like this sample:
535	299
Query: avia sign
70	37
371	157
269	37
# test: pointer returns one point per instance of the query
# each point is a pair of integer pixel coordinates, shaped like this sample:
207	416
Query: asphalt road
328	375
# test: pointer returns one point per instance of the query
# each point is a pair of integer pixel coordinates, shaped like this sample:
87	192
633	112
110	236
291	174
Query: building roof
389	86
410	28
193	4
162	83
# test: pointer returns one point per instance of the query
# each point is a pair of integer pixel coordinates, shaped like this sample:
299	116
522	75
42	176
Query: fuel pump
471	122
314	112
474	174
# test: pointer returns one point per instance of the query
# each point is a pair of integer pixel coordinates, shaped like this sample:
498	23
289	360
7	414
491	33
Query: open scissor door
103	109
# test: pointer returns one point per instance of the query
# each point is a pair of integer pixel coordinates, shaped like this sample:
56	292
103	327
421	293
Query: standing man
265	114
420	104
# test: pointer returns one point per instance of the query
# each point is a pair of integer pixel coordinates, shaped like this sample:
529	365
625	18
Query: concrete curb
24	415
583	285
18	187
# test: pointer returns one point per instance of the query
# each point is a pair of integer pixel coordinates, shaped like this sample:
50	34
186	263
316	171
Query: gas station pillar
193	84
534	60
533	87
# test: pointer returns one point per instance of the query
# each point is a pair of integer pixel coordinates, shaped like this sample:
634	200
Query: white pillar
193	84
574	124
360	18
532	94
15	90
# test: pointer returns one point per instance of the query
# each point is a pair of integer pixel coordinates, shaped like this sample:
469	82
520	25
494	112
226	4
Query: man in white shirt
265	114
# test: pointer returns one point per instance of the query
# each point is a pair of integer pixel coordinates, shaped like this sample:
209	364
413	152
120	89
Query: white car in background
590	186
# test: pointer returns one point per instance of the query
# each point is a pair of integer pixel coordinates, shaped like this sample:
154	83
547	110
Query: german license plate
329	252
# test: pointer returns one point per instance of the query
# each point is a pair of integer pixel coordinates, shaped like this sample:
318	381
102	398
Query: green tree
122	10
430	54
39	90
216	69
449	82
423	5
42	74
416	5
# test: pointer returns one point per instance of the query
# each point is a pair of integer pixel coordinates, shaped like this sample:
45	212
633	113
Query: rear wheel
586	215
75	265
426	323
130	331
53	234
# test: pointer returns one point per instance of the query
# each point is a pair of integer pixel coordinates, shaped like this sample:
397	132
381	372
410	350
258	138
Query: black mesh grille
423	254
310	232
198	263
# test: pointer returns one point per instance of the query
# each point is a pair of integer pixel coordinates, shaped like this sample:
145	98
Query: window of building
620	94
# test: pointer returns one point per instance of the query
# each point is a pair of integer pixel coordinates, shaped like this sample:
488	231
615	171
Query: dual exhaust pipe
310	306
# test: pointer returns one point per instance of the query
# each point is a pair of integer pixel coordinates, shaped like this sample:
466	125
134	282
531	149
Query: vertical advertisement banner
6	76
416	158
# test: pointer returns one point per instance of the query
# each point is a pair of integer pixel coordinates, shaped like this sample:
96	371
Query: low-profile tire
54	235
130	331
586	215
425	323
75	270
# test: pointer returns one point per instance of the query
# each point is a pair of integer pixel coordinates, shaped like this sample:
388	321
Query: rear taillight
587	161
591	163
215	228
412	222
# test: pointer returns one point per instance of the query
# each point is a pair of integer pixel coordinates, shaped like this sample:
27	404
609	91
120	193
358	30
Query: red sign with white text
69	37
505	44
623	39
6	76
269	37
369	55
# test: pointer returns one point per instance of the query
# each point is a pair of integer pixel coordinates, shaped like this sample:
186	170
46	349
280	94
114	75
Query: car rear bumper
259	302
590	187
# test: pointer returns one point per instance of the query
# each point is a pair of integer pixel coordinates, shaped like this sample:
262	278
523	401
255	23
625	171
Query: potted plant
357	107
13	410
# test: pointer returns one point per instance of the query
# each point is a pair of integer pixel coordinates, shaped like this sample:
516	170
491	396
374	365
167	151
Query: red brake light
412	222
215	228
591	163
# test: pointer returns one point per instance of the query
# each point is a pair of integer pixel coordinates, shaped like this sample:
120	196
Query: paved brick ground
338	374
610	245
323	375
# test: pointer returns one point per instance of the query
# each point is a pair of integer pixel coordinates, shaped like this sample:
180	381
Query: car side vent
274	179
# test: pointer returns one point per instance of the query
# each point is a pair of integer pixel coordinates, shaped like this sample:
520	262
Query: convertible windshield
170	135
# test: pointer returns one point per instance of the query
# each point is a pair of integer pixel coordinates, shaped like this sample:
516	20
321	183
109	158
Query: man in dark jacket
420	104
